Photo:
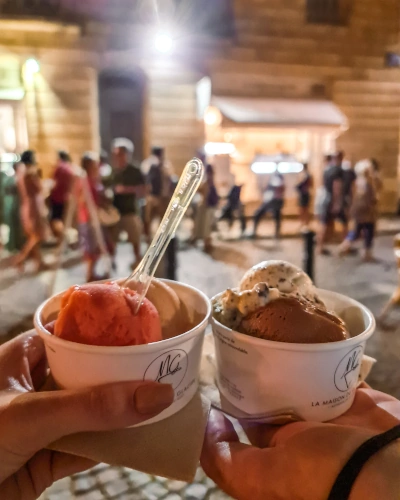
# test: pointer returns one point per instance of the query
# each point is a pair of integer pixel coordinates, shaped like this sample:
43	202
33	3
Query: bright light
212	116
32	66
263	167
290	167
163	43
219	148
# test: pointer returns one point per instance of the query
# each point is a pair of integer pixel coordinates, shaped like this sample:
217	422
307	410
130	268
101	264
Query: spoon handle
188	184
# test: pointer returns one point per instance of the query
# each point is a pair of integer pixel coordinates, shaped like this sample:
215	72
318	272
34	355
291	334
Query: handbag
108	216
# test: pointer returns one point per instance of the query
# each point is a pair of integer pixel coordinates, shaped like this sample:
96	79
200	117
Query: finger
42	471
233	466
18	358
34	420
47	466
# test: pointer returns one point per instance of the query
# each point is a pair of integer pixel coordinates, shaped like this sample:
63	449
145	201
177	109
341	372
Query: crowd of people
103	201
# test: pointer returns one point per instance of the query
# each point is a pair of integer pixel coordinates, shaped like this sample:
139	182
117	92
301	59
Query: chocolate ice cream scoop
293	320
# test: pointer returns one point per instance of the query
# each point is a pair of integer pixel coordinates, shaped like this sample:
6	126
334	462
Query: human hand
30	421
302	460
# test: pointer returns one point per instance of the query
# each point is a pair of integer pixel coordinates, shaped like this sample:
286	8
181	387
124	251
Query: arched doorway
121	104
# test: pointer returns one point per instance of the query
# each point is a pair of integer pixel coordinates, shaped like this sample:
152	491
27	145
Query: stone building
260	79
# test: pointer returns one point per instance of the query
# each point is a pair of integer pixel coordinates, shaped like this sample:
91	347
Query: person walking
205	214
330	202
60	194
32	211
159	188
94	239
234	207
304	187
129	187
363	210
273	201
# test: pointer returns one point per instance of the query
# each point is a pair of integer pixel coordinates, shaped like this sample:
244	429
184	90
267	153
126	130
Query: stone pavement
371	284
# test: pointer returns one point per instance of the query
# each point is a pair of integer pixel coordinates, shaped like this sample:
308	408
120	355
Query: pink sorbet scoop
103	314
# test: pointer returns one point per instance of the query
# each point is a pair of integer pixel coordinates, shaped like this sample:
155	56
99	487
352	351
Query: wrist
380	476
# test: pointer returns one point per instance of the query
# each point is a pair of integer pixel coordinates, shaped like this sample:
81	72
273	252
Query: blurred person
349	176
31	420
363	210
32	211
60	193
129	187
355	456
160	189
331	202
273	201
304	187
12	204
234	207
92	235
205	214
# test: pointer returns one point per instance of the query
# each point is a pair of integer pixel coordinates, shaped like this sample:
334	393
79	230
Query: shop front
247	139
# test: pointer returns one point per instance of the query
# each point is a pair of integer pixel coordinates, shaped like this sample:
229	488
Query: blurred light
219	148
163	43
32	66
263	167
290	167
9	158
212	116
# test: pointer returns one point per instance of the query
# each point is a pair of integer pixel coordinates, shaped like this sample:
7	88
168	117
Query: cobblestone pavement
371	284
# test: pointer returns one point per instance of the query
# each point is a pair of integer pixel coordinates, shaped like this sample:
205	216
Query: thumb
34	420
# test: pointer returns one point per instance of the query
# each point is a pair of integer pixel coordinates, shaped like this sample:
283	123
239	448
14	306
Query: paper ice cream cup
172	361
315	381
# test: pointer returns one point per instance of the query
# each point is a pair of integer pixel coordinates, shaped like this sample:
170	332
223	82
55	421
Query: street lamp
32	66
163	42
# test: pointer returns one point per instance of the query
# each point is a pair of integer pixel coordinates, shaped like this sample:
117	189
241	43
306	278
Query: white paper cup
173	361
316	381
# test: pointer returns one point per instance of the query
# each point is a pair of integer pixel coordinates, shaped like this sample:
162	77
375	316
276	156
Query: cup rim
132	349
292	346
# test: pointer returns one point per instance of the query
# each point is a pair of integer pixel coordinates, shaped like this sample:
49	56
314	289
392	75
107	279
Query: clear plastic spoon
188	184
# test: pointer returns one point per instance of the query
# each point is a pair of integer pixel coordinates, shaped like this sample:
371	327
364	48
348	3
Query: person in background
363	210
234	207
129	187
205	214
330	202
349	176
60	194
93	238
273	201
159	188
11	206
304	187
32	211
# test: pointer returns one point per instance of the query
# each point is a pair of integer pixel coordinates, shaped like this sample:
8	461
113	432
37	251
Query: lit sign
283	167
219	148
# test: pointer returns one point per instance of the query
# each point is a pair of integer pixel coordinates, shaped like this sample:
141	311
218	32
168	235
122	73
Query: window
328	11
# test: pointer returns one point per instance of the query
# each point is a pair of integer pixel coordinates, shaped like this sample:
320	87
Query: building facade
297	78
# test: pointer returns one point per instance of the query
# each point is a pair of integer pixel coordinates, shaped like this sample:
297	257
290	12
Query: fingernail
153	398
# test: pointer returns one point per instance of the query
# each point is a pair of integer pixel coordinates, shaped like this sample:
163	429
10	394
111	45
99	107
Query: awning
280	112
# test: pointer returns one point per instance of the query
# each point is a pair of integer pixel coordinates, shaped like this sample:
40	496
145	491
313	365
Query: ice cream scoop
276	300
290	320
104	315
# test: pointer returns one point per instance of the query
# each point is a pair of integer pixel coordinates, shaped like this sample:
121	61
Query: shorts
57	211
132	225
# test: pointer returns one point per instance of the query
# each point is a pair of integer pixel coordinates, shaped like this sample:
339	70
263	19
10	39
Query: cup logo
168	368
346	374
